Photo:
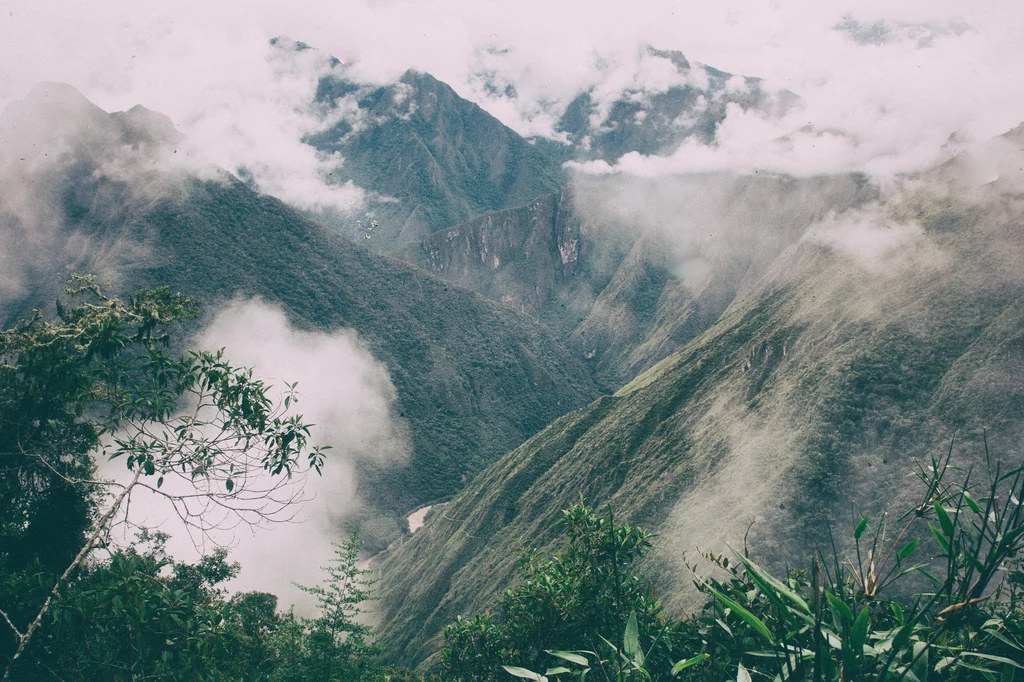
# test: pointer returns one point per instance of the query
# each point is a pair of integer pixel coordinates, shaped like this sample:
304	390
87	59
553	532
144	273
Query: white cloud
242	103
347	395
207	66
875	243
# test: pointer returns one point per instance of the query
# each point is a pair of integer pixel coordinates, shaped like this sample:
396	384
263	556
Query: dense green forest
936	594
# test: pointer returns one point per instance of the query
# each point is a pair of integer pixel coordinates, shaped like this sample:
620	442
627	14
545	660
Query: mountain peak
57	93
674	56
142	125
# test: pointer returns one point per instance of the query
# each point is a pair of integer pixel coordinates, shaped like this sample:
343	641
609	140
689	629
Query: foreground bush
583	615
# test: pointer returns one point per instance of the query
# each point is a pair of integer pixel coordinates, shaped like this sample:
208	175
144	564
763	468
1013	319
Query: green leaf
940	538
859	631
631	640
975	507
767	582
571	657
861	527
742	675
229	484
523	672
683	665
908	548
1004	639
725	627
944	521
921	667
1009	474
747	616
842	611
556	671
903	636
1011	536
990	657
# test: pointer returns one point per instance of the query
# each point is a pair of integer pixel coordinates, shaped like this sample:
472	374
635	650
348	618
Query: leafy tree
138	615
257	629
583	596
474	648
834	622
335	645
101	380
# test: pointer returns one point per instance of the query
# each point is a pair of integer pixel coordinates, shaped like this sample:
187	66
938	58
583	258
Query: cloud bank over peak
882	85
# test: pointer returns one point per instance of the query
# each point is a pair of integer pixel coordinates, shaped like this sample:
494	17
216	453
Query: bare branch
98	529
8	619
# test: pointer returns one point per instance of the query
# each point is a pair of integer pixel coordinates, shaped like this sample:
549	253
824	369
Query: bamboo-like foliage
841	620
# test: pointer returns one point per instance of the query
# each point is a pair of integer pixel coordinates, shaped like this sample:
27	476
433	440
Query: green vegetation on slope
585	613
600	263
813	393
473	378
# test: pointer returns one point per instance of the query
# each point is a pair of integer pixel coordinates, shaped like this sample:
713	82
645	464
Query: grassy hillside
866	344
473	378
600	263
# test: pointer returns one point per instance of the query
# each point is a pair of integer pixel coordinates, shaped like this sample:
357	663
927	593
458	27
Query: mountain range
473	378
721	358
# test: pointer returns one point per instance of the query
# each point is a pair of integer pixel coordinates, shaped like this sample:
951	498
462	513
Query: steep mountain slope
522	256
600	262
432	159
700	239
866	344
473	378
435	158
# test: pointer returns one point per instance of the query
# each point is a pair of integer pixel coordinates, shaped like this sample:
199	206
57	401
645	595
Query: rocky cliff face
521	256
608	278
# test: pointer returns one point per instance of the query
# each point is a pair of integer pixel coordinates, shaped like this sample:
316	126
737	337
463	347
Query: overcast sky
883	83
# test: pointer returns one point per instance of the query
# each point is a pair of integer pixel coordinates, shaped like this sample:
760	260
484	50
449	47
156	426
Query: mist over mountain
730	308
854	349
108	200
429	158
668	102
628	270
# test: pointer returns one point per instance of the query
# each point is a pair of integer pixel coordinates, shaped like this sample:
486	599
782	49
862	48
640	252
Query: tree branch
8	619
98	529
